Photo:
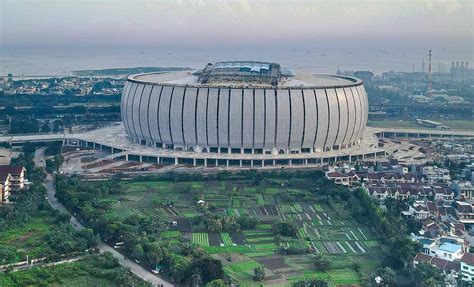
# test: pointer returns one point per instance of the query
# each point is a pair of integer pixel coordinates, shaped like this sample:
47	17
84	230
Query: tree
322	263
387	274
259	273
216	283
196	280
311	283
210	268
137	251
45	127
426	275
286	229
247	222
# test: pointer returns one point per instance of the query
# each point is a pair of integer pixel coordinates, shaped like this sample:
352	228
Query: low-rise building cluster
63	86
443	207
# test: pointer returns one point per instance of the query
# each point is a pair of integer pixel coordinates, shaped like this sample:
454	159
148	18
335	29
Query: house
467	268
5	187
466	190
346	179
17	173
465	212
435	174
432	209
448	251
443	193
431	229
419	210
449	268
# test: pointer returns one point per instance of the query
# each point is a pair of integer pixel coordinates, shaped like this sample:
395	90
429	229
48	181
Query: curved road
53	201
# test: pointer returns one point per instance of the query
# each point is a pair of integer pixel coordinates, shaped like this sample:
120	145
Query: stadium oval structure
244	107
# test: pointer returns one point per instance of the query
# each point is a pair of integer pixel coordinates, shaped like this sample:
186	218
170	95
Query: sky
446	26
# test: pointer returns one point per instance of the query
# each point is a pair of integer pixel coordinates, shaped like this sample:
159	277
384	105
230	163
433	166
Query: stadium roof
253	66
299	80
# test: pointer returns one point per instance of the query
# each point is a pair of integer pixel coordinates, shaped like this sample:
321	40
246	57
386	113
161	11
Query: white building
448	251
467	267
435	174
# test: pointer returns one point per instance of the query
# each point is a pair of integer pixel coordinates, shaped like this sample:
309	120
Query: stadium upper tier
239	108
299	80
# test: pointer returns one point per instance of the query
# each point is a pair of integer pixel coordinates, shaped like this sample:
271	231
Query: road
53	201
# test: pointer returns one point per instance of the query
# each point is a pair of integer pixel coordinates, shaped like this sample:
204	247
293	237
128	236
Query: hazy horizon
37	32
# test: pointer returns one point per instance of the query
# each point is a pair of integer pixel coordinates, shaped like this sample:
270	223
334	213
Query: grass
28	239
264	226
201	239
85	272
241	249
226	239
265	247
242	272
121	213
170	234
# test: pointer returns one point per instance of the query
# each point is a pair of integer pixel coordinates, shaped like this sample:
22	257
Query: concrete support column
205	162
126	156
363	157
273	162
141	158
263	163
350	158
305	161
240	163
251	162
158	160
290	162
375	155
175	161
93	145
100	147
194	162
227	162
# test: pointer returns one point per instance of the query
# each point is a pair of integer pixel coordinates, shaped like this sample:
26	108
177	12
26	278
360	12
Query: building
17	173
467	267
449	268
251	108
436	174
5	189
343	178
448	251
466	190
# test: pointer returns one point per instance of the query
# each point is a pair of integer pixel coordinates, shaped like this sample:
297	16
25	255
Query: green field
28	239
201	239
322	228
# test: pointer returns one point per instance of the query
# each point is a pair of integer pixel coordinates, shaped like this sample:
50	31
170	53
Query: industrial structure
244	108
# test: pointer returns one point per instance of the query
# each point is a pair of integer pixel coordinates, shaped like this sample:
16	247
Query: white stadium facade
254	109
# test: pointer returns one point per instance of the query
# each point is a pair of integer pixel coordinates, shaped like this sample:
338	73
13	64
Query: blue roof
450	247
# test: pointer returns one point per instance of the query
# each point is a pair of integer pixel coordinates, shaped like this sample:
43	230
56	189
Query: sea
24	62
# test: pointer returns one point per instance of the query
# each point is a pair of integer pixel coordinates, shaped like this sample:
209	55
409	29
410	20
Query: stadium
245	108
